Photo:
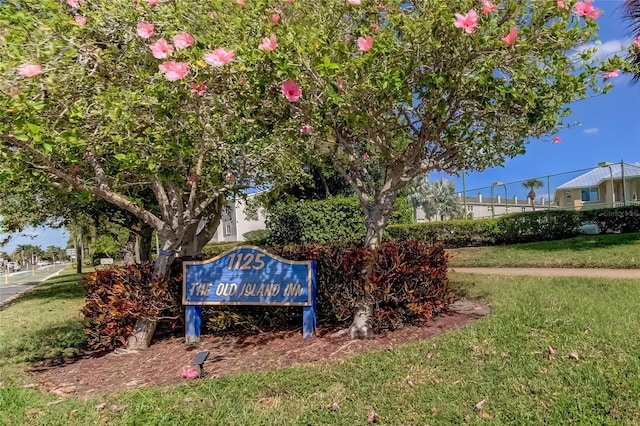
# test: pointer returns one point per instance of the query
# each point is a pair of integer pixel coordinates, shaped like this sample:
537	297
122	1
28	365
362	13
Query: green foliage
538	226
258	237
617	220
336	219
519	228
452	233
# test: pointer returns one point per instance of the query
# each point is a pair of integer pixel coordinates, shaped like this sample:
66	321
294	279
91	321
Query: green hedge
538	226
518	228
336	219
453	233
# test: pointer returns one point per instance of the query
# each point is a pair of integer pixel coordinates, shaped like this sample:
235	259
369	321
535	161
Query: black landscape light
199	360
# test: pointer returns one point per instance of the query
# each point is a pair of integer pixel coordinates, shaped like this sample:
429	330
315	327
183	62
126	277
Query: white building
234	222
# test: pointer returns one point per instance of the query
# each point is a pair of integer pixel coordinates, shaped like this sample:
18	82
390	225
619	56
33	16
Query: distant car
13	266
43	263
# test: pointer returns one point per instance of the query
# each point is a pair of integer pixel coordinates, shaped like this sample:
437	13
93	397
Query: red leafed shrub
407	280
116	298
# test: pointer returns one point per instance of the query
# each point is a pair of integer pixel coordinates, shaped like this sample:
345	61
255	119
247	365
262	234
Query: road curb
8	301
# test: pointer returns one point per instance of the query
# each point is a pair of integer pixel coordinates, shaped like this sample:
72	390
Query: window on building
469	208
524	209
490	208
227	229
589	194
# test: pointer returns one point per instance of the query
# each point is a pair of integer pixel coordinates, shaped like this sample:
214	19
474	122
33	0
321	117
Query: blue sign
248	275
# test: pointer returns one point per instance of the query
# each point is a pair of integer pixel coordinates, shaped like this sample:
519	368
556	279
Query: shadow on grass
583	243
64	287
49	346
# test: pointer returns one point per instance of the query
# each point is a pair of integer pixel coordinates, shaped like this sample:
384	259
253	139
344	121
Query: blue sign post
248	275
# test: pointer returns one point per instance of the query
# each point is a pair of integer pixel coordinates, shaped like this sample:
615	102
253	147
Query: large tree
95	98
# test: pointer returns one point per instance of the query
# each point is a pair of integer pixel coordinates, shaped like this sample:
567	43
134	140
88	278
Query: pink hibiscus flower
291	90
219	57
275	19
29	70
189	372
637	42
555	140
586	9
560	5
153	2
365	44
488	7
241	3
198	88
183	40
340	84
354	2
511	37
75	3
468	22
145	29
365	156
161	49
288	1
174	70
305	129
610	74
80	20
269	43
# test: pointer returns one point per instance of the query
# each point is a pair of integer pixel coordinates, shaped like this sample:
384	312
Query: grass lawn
502	359
593	251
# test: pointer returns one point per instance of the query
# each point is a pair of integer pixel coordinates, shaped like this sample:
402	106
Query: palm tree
444	199
532	184
632	12
418	196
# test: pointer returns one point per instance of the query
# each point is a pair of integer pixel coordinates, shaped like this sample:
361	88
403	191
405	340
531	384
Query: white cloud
591	131
605	49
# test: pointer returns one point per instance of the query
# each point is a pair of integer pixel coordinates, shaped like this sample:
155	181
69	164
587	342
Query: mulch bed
162	363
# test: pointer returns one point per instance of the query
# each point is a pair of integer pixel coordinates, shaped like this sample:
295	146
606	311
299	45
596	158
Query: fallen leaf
429	355
537	352
480	405
115	408
504	354
372	417
485	416
574	355
410	383
467	418
587	330
434	410
30	385
57	401
188	399
335	406
1	384
100	406
552	351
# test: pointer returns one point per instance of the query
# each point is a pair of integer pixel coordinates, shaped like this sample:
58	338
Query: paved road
19	282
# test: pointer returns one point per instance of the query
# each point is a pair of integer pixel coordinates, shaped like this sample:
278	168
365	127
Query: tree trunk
145	242
128	249
145	327
376	218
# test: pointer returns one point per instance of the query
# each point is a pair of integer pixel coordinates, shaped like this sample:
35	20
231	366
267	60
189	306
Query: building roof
599	174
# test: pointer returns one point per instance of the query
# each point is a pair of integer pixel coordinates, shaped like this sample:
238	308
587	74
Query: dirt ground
162	363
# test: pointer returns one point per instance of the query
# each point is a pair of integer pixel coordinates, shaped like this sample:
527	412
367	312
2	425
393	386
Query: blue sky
609	128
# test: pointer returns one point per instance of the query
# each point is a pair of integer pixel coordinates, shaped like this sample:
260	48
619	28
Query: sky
607	129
